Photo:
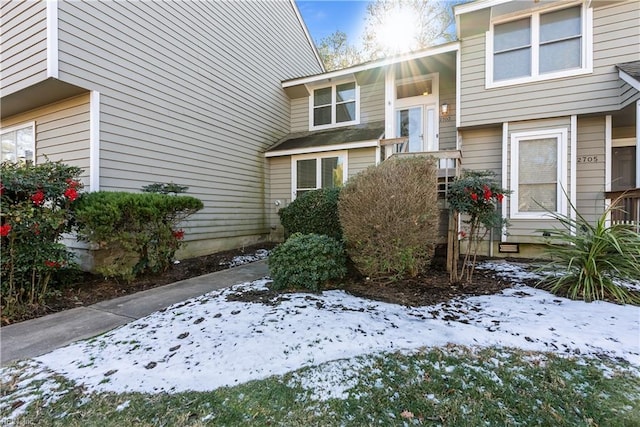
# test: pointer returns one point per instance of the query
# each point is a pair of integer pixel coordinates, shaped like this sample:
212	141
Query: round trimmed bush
307	261
313	212
389	215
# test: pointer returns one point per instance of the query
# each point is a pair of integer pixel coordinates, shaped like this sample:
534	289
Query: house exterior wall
189	93
61	132
24	44
360	159
616	37
300	115
372	101
590	172
482	149
448	130
279	170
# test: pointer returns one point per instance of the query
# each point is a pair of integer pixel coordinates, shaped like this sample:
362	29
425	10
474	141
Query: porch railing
626	207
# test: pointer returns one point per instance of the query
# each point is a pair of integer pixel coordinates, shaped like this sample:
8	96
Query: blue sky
325	17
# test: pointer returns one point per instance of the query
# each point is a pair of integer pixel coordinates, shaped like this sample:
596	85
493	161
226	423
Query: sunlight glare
398	30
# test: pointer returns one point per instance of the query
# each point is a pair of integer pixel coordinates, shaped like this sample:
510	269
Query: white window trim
412	101
586	54
23	125
52	39
94	141
333	123
317	156
561	201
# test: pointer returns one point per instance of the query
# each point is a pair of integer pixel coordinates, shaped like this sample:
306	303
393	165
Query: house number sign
587	159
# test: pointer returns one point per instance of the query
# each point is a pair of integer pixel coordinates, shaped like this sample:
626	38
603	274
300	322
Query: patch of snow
208	342
23	384
242	341
124	405
258	255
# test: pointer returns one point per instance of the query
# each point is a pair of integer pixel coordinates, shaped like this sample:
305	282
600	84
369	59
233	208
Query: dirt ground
429	289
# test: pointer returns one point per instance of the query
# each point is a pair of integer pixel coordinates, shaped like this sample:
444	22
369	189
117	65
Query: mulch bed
432	288
429	289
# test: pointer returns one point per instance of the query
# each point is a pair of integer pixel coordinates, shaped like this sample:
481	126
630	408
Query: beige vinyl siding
616	37
360	159
24	44
280	191
300	115
190	93
372	101
62	132
482	150
628	94
591	167
448	134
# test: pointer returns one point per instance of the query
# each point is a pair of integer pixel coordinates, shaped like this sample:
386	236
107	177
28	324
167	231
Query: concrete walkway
36	337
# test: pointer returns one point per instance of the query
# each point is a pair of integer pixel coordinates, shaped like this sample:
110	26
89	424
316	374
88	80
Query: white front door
418	123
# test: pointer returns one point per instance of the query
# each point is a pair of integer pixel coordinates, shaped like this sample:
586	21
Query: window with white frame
538	173
313	171
544	44
335	105
18	143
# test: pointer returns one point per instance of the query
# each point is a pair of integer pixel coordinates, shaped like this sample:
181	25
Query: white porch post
94	141
637	144
389	106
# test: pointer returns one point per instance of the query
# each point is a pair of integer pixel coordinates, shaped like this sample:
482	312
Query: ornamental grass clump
588	258
307	261
37	207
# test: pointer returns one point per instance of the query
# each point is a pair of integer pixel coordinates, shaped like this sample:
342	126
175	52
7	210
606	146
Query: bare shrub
389	216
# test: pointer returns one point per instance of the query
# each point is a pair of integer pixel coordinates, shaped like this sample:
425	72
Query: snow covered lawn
208	342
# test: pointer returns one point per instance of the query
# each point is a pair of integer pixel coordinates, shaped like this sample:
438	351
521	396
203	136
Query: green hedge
313	212
139	228
307	261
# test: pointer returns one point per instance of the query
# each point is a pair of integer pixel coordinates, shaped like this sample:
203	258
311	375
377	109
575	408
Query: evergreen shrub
315	212
140	229
307	261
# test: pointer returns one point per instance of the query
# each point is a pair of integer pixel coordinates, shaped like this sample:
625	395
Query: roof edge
306	32
324	148
476	5
443	48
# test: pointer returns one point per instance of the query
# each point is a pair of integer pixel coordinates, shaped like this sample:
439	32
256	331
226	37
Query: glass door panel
410	124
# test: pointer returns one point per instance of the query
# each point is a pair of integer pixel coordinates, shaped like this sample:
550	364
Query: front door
419	125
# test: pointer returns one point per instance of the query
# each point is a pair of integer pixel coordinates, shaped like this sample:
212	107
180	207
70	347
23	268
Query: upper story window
539	46
335	105
18	144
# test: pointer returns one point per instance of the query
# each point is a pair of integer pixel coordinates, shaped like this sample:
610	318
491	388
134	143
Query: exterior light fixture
444	109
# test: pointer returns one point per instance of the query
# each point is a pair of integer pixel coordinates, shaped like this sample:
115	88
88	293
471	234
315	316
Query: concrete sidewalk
39	336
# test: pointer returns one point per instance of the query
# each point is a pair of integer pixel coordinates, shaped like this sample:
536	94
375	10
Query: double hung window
538	173
538	46
334	105
311	172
